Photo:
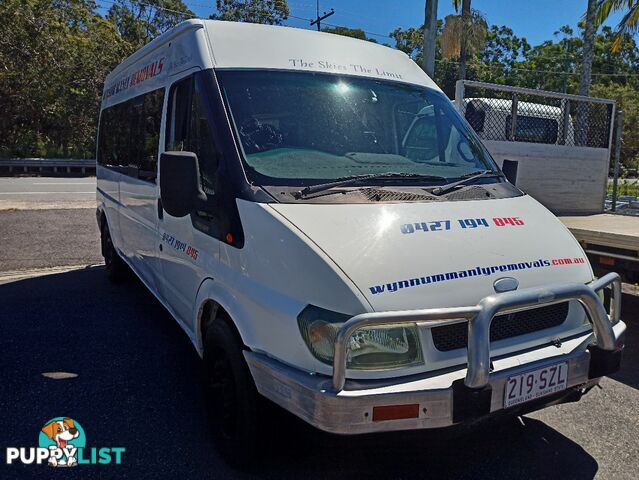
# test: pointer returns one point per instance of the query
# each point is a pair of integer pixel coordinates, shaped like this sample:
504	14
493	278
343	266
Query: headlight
376	348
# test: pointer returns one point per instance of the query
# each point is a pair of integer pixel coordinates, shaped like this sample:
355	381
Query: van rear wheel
232	401
117	270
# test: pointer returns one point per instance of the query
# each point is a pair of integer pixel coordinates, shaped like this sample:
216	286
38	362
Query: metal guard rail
67	164
48	162
480	316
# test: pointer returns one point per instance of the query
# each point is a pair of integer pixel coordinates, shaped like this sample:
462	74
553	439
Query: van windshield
305	128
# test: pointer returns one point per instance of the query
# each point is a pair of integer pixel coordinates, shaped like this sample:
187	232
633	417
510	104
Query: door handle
160	209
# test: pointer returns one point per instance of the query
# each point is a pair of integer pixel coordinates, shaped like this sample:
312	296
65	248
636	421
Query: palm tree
465	20
463	34
629	23
590	28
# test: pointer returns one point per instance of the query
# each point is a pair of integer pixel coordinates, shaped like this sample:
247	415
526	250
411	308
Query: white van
260	182
491	118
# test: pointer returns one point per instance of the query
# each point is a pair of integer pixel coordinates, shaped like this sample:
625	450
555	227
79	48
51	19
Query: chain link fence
503	113
562	143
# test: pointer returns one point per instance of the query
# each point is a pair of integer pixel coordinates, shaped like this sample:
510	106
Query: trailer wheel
232	401
117	270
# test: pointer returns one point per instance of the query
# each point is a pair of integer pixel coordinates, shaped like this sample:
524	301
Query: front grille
452	337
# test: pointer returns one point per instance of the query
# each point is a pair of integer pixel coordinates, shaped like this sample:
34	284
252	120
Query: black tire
232	402
117	270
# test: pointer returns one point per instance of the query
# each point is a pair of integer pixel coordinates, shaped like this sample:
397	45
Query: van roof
235	45
155	44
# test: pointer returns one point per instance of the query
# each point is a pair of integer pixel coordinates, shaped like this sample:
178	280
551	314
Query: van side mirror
509	167
180	189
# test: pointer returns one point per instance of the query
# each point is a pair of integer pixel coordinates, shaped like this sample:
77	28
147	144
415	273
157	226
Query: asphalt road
46	192
31	239
137	387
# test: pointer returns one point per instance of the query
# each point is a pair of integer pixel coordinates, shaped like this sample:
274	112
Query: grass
628	187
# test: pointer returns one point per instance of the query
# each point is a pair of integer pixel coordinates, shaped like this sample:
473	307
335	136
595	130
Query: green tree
271	12
627	99
501	55
629	23
349	32
620	67
410	41
538	69
54	56
140	22
463	35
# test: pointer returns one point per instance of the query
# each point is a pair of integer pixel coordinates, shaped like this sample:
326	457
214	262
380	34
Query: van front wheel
115	267
232	400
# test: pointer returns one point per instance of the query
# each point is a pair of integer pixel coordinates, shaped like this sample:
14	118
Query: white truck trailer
562	161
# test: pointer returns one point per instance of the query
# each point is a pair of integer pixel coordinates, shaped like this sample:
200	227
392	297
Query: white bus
261	182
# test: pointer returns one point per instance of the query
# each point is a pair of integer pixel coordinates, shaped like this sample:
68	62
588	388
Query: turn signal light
395	412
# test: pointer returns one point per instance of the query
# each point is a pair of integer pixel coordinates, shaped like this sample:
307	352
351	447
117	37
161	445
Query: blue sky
536	20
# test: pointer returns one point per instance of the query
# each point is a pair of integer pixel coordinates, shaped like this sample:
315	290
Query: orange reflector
229	238
395	412
606	261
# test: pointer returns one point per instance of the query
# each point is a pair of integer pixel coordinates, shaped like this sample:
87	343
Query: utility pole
319	19
590	30
567	67
430	37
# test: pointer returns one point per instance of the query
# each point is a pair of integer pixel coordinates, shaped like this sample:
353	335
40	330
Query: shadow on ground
137	387
629	373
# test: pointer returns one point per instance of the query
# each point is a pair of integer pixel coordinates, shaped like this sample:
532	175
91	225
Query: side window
423	132
105	140
113	143
188	129
177	124
421	142
149	119
129	135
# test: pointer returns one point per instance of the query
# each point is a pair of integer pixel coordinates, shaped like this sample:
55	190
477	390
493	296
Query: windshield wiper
353	179
465	180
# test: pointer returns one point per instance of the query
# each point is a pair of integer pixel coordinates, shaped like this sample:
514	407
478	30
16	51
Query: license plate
535	384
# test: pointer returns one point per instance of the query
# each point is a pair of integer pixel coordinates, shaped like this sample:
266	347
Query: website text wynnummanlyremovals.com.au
471	272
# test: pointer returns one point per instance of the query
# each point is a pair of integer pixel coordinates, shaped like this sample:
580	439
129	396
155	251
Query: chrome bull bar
480	316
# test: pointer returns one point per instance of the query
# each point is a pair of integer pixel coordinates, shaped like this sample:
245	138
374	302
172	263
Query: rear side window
476	116
129	135
533	129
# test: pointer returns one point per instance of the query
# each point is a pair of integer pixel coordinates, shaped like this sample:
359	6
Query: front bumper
451	397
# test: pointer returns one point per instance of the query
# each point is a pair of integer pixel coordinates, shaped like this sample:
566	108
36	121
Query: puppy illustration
61	431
